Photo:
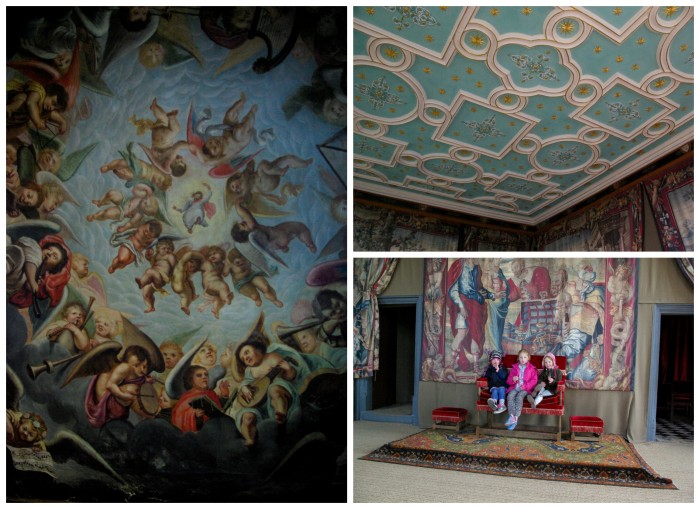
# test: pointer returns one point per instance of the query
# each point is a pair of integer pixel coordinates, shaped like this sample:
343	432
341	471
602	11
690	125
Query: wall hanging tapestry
380	229
583	309
613	225
671	195
611	461
489	239
176	271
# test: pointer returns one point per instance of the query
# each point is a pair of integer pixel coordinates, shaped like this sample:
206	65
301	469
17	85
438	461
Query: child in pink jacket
521	380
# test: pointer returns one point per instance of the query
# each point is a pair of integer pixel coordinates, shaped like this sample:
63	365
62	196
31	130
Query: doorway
392	394
392	388
671	391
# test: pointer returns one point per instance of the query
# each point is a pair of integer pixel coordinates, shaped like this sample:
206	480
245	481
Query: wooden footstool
586	424
456	417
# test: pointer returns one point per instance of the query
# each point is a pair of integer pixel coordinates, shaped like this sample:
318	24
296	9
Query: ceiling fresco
516	113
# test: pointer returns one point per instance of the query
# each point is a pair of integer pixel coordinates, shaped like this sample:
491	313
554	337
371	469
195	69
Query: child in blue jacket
497	375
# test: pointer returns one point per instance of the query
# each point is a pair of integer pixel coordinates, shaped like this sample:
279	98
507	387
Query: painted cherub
142	204
249	282
237	135
155	277
164	149
106	328
187	266
69	331
25	429
133	242
240	187
214	270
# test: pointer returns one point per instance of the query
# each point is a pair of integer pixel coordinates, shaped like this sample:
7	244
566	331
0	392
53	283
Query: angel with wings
55	193
270	239
118	371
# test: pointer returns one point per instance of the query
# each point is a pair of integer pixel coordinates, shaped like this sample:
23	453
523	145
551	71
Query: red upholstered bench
550	405
586	424
457	417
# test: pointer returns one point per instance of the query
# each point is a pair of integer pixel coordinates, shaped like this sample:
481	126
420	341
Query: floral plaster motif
378	93
484	128
420	16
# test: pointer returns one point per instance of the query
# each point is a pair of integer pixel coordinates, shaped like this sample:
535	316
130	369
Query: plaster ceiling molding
516	113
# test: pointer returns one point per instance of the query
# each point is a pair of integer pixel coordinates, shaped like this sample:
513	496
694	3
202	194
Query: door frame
363	386
658	311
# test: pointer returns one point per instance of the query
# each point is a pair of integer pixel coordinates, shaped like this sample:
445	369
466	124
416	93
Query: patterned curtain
371	277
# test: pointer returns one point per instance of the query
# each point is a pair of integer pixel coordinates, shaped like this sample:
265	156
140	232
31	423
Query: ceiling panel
516	113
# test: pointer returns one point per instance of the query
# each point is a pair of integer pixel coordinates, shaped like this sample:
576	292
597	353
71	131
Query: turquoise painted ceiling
516	113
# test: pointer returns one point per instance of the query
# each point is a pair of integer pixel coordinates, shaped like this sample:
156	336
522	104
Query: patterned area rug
611	461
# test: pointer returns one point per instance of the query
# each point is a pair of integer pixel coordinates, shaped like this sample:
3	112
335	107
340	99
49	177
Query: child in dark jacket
547	380
497	374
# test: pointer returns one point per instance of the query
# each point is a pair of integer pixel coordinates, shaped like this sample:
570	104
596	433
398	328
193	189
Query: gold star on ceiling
526	11
567	26
495	12
370	11
635	67
391	52
597	49
641	41
659	83
428	38
683	47
442	91
619	59
426	70
670	11
455	78
476	40
617	11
